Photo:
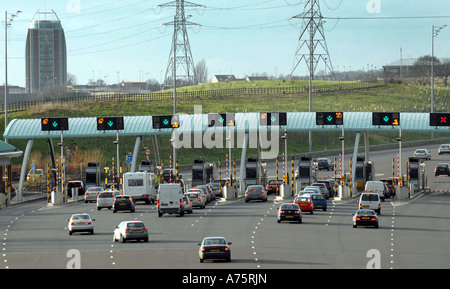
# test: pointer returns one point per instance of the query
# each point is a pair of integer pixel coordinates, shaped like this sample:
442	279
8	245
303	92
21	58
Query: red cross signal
443	119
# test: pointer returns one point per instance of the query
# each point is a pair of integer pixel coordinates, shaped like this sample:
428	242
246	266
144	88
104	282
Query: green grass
391	97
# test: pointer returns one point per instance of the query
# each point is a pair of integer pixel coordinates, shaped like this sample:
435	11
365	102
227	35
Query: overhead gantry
249	129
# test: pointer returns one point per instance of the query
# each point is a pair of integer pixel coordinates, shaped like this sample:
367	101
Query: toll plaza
247	127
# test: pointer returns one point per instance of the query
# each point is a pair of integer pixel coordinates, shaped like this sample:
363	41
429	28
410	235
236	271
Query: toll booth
413	169
93	174
210	171
307	173
199	175
359	172
255	172
364	171
369	171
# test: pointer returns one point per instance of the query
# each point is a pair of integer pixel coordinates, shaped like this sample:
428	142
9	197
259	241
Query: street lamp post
7	24
435	31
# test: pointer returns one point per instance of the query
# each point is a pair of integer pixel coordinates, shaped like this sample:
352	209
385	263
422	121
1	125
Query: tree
443	70
201	72
422	68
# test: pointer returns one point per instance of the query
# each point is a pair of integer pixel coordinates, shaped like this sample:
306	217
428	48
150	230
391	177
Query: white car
130	230
81	223
377	187
444	149
370	201
422	154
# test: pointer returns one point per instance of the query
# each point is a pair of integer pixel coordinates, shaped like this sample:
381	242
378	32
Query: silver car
196	199
81	223
422	154
255	192
130	230
443	149
214	248
187	204
105	199
91	194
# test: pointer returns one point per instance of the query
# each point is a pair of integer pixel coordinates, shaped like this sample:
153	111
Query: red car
272	186
305	204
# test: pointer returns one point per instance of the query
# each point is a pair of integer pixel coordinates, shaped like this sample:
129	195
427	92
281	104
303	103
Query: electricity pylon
181	64
312	47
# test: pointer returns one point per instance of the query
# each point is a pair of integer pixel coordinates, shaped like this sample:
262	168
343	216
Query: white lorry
140	186
170	199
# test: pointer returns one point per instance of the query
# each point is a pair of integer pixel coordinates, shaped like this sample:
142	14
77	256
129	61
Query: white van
377	187
170	199
140	186
370	201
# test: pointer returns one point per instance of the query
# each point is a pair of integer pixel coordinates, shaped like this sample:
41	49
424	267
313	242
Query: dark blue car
319	201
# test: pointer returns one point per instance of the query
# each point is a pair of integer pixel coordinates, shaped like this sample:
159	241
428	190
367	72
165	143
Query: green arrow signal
166	121
221	119
386	118
55	124
110	123
329	118
273	119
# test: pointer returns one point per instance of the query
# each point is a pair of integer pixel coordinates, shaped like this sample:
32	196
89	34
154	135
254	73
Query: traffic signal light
166	121
110	123
330	118
221	119
272	118
54	123
439	119
386	118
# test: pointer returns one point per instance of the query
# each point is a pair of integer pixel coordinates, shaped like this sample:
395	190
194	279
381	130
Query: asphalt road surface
413	233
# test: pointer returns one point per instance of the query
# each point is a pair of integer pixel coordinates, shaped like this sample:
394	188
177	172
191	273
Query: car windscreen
369	197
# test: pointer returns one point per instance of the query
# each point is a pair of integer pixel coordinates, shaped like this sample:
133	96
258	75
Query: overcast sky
119	40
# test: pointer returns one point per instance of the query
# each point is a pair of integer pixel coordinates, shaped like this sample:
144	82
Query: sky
126	40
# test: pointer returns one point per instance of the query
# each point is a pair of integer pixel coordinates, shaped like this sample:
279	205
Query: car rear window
106	195
289	207
135	225
317	197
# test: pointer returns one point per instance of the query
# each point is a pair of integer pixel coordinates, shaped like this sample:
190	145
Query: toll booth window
304	172
135	182
91	177
359	172
251	173
197	174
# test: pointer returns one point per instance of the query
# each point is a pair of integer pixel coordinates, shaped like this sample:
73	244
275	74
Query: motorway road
413	233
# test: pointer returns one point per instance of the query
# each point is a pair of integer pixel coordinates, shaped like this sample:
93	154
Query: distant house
400	68
255	78
223	78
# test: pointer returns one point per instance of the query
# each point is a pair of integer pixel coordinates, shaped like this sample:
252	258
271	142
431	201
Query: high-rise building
46	56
